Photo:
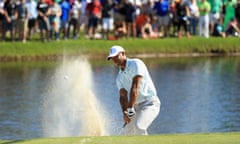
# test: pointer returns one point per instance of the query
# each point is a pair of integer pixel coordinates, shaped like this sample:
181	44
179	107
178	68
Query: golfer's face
118	59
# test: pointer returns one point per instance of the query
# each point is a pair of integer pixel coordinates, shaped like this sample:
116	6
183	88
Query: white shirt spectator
32	9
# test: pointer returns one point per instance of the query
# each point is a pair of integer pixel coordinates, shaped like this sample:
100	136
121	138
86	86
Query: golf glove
130	112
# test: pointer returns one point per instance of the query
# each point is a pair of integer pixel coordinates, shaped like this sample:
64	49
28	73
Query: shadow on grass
12	142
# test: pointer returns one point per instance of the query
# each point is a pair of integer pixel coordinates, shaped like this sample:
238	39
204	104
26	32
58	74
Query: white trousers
203	26
146	112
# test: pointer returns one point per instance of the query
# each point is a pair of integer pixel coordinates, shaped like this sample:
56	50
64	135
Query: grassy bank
213	138
99	48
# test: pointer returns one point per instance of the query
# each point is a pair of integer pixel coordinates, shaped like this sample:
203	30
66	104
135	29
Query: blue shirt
161	8
66	7
133	68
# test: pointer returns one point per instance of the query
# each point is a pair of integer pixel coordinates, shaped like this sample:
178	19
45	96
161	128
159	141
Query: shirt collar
126	67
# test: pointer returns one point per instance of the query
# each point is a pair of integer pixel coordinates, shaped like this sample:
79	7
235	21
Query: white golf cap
115	50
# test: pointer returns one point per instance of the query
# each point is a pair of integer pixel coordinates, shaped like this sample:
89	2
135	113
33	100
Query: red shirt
94	8
141	20
49	2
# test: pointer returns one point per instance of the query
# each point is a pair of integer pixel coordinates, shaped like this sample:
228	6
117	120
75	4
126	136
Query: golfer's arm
134	90
123	100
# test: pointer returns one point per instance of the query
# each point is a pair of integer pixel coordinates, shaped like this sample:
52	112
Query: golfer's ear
123	53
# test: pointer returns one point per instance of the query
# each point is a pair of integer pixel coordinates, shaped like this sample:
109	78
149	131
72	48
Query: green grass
213	138
133	46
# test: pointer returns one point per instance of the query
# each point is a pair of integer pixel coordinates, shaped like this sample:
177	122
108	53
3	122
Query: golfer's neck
123	65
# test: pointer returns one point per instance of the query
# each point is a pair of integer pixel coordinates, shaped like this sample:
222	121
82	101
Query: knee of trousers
140	126
140	129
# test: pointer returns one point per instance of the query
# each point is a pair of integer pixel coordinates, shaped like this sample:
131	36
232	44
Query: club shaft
124	125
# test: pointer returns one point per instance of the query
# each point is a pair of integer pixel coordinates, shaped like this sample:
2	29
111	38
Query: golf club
124	125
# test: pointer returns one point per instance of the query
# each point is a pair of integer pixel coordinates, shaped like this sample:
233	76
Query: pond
79	97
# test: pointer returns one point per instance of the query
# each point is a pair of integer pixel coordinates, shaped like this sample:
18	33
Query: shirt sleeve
140	68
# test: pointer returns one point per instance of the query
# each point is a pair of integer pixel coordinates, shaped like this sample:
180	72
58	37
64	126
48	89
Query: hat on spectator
114	51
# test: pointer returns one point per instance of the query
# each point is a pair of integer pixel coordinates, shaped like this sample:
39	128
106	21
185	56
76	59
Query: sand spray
70	107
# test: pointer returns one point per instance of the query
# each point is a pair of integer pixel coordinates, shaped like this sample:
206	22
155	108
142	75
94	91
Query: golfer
138	97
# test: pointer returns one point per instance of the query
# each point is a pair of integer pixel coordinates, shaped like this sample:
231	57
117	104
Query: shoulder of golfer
136	80
134	67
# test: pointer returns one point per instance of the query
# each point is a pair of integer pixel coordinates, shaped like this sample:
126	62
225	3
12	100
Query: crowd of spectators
116	19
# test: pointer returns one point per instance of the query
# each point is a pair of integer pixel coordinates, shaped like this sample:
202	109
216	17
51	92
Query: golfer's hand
130	112
126	119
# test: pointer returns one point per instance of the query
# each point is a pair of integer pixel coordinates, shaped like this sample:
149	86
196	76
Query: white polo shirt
136	67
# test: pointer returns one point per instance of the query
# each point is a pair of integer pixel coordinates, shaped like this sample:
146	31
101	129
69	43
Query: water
48	100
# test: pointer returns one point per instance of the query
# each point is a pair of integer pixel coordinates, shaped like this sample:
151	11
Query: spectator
147	31
161	8
147	8
107	18
215	12
49	2
128	10
140	21
66	7
138	6
182	14
154	23
10	9
43	20
237	13
119	20
83	20
32	9
138	9
203	24
232	29
94	12
74	18
2	17
218	30
194	16
22	20
173	21
55	12
229	12
120	29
